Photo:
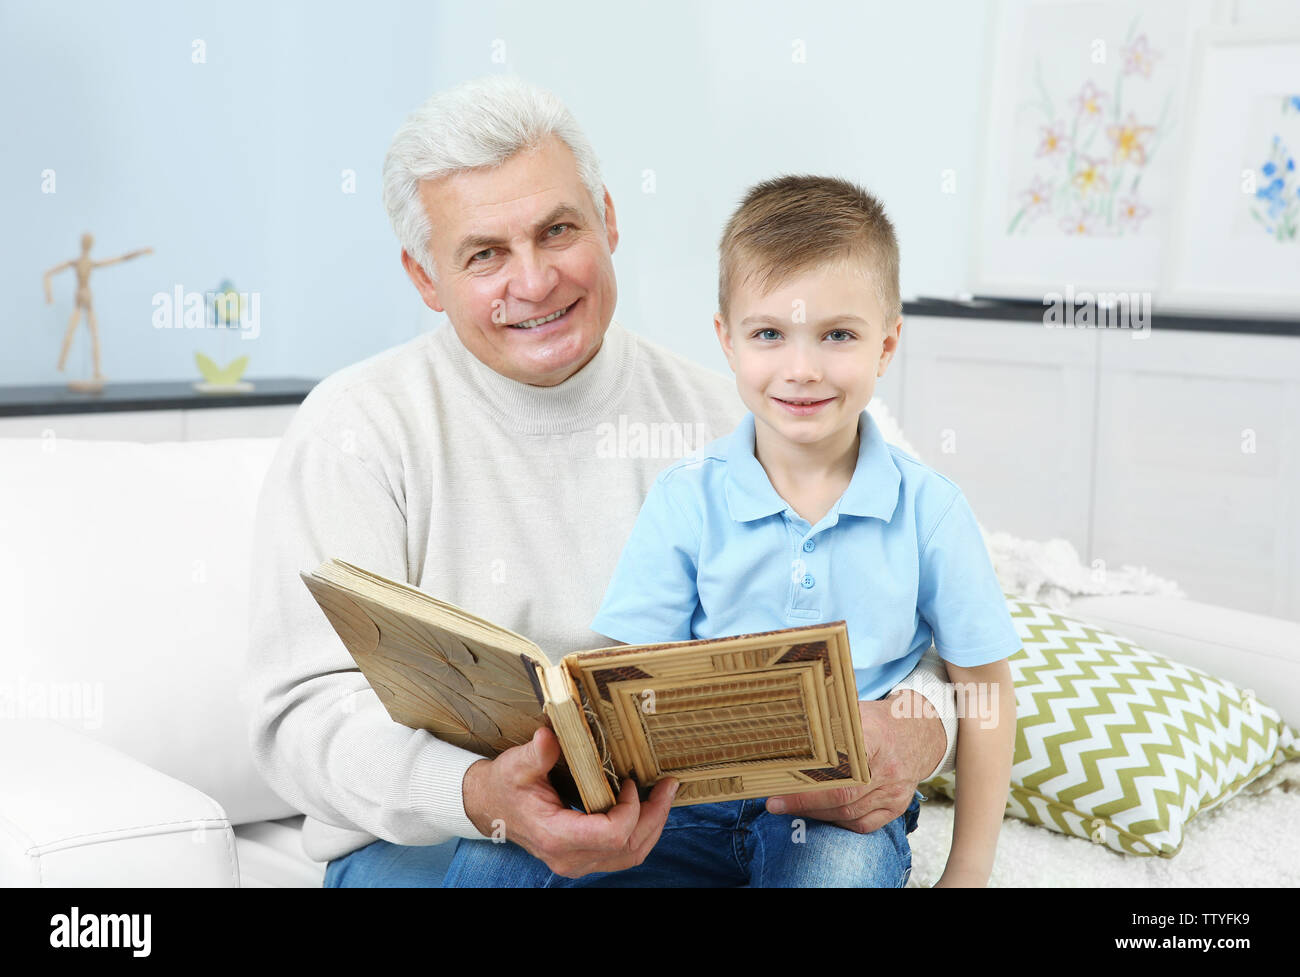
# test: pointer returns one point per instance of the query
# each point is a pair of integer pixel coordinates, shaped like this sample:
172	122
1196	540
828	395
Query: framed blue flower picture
1235	243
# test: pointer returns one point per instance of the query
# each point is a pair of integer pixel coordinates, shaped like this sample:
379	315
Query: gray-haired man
479	462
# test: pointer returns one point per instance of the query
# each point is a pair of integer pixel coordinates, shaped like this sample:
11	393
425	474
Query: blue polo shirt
716	552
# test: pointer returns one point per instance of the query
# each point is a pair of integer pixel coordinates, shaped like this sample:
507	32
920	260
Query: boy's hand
514	788
953	878
900	751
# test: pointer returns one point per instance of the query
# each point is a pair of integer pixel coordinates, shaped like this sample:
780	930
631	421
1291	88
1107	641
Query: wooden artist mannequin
85	303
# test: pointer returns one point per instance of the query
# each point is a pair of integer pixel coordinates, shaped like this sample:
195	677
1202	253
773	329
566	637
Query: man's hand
512	792
900	751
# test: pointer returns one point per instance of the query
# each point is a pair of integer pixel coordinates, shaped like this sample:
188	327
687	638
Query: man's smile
542	320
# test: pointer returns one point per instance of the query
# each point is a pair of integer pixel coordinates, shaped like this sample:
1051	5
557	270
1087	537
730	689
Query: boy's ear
889	346
724	338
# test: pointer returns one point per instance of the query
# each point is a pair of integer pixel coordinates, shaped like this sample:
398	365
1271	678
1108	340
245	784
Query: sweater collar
589	394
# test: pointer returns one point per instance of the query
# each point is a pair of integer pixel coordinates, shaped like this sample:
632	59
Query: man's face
515	244
818	337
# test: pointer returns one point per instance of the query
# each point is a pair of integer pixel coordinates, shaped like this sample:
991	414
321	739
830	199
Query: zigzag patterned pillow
1121	746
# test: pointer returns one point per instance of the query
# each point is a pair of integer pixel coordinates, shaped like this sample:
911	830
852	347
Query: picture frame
1083	130
1235	241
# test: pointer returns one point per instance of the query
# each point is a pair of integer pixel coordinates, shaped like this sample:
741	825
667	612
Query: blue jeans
732	844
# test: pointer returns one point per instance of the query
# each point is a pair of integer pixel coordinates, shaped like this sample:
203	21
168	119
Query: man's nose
534	277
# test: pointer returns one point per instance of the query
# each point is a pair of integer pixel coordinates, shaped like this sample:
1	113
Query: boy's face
818	337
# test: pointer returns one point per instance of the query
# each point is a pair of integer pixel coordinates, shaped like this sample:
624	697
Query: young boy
804	514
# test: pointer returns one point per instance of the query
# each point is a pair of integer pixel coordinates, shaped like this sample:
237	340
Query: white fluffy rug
1247	842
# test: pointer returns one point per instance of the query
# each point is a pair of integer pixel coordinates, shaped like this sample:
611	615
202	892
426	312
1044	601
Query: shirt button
809	545
808	581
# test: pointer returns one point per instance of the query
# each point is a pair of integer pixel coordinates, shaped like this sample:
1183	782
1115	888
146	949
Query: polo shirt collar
873	490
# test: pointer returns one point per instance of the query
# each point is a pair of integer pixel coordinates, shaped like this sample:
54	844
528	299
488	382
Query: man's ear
611	223
420	279
889	346
724	338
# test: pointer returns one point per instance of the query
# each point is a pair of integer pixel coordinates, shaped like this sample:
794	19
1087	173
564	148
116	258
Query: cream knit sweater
513	501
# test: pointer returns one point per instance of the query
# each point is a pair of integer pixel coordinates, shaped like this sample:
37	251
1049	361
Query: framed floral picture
1236	236
1085	122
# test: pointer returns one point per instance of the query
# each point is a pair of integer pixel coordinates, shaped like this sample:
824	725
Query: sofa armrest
77	812
1252	651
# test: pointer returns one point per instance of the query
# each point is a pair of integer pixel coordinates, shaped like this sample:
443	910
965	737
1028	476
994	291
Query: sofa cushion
125	569
1253	651
75	812
271	856
1122	746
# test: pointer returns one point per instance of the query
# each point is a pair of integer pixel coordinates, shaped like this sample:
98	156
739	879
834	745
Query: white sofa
124	568
124	754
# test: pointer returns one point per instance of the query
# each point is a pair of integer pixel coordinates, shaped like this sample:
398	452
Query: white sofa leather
77	812
124	755
124	574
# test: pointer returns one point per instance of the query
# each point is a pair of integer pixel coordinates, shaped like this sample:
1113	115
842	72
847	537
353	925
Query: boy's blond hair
793	224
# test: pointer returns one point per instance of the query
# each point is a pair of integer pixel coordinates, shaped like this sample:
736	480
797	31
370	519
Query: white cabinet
1199	464
132	425
237	422
1006	411
155	425
1179	451
151	411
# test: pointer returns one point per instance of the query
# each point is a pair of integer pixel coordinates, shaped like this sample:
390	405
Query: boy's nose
803	368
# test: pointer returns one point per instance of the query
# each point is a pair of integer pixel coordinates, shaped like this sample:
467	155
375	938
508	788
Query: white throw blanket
1048	571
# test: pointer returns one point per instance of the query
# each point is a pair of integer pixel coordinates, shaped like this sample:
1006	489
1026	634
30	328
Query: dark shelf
58	399
1031	310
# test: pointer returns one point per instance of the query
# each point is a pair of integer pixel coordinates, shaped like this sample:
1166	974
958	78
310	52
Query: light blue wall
228	169
232	168
710	97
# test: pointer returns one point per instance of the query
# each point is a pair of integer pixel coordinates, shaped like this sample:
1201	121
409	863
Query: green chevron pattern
1123	747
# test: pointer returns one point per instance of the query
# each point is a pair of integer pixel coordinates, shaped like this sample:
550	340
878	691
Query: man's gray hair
479	123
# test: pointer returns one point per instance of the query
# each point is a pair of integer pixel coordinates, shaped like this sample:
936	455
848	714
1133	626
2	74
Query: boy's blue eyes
762	334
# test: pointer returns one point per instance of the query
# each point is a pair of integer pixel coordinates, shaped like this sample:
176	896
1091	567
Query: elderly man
475	462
